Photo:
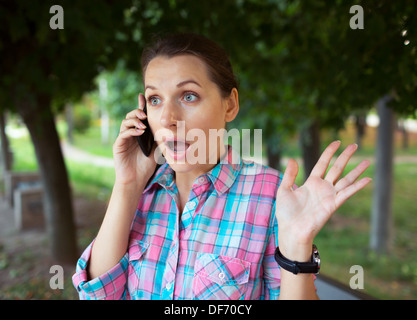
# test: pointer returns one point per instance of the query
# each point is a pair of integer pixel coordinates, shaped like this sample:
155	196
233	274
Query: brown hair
219	67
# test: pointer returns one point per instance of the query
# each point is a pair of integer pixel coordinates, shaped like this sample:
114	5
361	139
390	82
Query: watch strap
295	266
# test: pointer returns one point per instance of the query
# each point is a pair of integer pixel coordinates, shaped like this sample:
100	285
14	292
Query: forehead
164	69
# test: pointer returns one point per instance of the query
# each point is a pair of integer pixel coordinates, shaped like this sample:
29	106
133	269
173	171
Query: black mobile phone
146	140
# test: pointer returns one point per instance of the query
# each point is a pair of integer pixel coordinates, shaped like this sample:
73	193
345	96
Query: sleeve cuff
110	285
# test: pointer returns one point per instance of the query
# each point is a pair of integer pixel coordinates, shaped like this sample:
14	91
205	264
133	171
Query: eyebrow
179	85
150	87
183	83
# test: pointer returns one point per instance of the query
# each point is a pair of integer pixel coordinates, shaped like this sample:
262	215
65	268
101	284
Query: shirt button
168	286
201	180
221	275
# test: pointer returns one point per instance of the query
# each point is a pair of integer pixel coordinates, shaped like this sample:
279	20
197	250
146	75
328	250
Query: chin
183	159
183	170
182	166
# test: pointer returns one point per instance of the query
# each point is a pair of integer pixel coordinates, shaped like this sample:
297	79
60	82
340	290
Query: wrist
129	193
296	252
296	267
131	186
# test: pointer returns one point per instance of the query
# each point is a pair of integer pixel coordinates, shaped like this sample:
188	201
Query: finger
131	123
337	168
131	132
352	175
136	113
290	175
321	166
349	191
141	101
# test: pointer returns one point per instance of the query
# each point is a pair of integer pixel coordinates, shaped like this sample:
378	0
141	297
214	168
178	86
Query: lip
173	154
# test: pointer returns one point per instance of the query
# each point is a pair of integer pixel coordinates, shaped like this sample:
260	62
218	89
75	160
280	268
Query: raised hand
302	212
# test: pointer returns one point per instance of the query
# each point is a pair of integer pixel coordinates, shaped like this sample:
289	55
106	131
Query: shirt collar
222	176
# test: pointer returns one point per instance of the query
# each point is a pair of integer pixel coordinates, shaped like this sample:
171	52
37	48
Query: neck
185	180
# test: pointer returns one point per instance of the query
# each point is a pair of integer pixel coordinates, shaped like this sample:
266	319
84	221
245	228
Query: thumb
290	175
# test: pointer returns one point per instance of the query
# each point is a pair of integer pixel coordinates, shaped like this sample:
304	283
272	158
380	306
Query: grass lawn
343	242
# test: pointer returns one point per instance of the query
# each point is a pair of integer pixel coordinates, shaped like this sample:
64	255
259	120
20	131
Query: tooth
182	146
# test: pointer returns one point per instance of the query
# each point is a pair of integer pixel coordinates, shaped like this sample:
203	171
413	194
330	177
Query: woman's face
183	104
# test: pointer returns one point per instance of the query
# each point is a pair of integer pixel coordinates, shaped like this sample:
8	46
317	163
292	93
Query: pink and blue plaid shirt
221	246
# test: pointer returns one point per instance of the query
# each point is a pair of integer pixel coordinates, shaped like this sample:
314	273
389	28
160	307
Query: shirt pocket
218	277
137	250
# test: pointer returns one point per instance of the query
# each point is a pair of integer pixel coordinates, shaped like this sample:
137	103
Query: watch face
316	256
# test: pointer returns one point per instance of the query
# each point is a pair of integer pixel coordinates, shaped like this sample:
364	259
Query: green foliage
296	60
299	59
122	89
82	118
37	60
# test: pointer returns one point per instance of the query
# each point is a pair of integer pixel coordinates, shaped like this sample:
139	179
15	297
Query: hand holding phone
146	140
134	163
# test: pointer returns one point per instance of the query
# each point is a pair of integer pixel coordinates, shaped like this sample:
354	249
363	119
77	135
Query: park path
78	155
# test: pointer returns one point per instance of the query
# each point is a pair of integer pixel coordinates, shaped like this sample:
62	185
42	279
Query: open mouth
177	146
176	149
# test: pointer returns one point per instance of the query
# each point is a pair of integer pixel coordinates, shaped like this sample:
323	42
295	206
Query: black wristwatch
299	267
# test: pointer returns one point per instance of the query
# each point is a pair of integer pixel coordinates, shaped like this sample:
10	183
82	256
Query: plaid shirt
221	246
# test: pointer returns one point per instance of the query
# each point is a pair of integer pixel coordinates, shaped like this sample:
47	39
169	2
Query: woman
205	230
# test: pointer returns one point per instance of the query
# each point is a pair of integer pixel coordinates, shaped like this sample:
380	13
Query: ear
232	106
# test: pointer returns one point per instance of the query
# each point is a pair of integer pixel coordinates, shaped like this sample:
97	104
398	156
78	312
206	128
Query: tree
5	158
381	215
351	69
301	63
42	69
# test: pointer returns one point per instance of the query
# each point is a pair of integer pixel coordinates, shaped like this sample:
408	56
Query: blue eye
154	101
190	97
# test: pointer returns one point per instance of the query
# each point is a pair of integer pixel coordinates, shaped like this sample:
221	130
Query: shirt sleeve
272	271
109	286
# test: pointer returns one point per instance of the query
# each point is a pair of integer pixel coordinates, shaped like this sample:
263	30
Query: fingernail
142	126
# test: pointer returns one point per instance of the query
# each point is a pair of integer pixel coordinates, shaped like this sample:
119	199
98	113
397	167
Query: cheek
153	121
154	126
204	121
211	117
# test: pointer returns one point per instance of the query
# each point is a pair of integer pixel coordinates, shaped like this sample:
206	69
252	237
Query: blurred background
309	72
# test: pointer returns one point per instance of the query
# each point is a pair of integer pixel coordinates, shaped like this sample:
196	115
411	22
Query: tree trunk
57	194
360	123
310	145
4	142
381	220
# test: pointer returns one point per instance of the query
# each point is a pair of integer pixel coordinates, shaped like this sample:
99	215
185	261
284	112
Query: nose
170	115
